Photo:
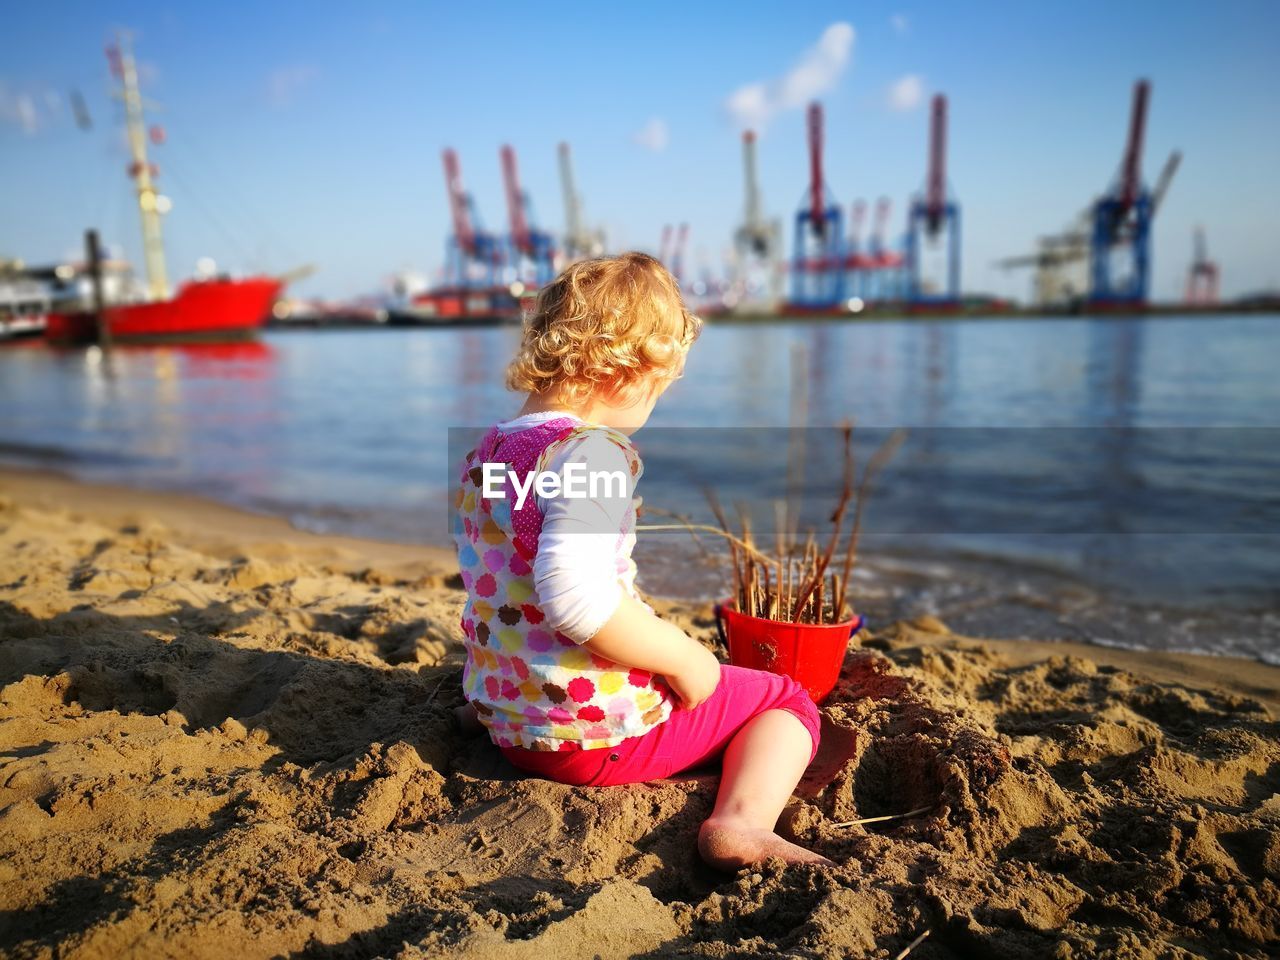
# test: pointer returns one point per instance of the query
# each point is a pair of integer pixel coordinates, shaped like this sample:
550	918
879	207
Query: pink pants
688	738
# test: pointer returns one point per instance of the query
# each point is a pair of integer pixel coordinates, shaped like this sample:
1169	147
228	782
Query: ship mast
149	202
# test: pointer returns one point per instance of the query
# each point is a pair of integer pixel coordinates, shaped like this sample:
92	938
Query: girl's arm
575	570
635	637
576	579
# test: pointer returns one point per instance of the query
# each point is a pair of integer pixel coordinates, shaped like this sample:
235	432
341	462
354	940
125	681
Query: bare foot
730	845
468	719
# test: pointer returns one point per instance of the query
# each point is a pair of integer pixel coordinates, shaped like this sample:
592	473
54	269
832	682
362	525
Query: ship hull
207	310
460	307
19	327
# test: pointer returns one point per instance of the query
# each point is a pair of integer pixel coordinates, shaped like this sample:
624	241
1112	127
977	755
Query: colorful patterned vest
531	685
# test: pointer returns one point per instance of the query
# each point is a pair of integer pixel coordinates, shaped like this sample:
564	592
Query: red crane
459	204
880	252
1122	220
532	252
936	185
472	255
1131	167
515	201
816	204
934	217
1202	278
857	214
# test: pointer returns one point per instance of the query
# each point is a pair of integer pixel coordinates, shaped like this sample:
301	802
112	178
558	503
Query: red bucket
809	653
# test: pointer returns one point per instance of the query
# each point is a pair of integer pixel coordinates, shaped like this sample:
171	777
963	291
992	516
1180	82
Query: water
1112	478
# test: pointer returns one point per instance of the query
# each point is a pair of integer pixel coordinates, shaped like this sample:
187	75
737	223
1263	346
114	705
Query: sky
310	133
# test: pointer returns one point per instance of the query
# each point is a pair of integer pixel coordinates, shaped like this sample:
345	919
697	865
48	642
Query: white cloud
906	93
901	25
22	109
285	83
755	104
654	135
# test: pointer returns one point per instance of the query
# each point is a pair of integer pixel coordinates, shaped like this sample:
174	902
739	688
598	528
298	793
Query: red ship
200	310
204	309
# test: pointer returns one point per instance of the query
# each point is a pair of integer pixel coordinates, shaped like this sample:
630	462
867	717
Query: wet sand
221	736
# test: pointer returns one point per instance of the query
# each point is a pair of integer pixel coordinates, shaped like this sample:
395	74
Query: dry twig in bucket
796	583
682	523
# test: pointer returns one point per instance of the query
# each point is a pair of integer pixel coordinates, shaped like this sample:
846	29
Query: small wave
68	458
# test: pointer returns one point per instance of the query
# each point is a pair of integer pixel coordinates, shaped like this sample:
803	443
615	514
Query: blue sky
311	132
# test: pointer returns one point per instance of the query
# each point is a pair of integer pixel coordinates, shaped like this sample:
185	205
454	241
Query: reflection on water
194	416
348	430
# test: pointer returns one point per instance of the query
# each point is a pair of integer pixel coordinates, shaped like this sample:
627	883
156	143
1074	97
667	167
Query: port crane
757	242
1121	219
817	253
677	253
671	249
579	240
151	203
531	253
933	214
885	263
857	259
1060	259
472	255
873	268
1202	276
1058	279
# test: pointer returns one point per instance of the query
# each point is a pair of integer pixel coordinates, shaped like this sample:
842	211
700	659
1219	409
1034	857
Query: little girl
573	675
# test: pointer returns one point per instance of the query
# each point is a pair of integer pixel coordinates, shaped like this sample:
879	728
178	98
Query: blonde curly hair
614	327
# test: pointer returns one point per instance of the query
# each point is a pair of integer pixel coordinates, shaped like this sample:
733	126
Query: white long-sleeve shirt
583	563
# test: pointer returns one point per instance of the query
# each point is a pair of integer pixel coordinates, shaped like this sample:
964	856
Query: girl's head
606	339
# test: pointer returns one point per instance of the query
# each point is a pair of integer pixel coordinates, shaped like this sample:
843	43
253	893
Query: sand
222	737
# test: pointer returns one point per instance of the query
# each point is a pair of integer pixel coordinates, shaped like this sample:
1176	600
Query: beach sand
220	736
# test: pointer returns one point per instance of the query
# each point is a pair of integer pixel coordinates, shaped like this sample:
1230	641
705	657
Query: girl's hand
698	678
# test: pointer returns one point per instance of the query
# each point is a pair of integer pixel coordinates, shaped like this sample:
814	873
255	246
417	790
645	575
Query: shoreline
222	735
225	530
720	315
208	522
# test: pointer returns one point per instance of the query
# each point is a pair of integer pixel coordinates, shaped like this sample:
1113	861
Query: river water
1113	479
